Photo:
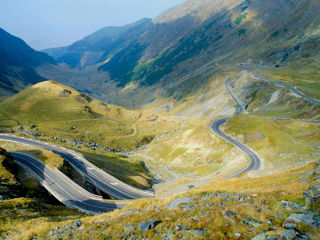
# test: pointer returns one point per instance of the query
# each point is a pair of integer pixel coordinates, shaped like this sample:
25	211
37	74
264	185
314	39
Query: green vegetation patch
193	151
7	169
240	18
47	157
129	170
21	215
241	32
302	75
62	114
279	102
284	144
121	66
8	123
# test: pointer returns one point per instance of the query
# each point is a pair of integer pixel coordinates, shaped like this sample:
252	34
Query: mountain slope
92	48
17	64
51	109
191	43
246	31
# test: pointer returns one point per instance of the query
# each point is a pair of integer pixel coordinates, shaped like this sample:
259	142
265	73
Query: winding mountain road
281	84
235	99
64	189
215	127
74	196
255	161
100	179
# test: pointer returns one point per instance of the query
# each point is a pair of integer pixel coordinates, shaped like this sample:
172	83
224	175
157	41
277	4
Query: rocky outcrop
83	98
179	203
312	196
64	93
306	218
144	227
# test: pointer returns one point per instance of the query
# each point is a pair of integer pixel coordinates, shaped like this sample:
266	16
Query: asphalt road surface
255	161
65	190
215	127
239	106
281	84
102	180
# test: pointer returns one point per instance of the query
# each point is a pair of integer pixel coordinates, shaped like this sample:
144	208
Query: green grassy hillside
281	144
59	114
225	209
187	45
8	169
303	75
52	109
174	72
17	188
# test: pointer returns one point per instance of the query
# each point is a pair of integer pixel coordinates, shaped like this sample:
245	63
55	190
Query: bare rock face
291	206
312	195
64	93
83	98
144	227
306	218
178	203
317	169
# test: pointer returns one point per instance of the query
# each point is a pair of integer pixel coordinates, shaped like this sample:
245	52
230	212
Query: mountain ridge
96	44
177	51
215	104
18	62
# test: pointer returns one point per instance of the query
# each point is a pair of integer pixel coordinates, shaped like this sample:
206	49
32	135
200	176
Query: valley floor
187	158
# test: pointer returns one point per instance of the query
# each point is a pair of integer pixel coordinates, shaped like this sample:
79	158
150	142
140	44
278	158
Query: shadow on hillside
115	166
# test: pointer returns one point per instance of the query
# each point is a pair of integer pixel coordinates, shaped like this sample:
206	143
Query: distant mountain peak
94	47
200	9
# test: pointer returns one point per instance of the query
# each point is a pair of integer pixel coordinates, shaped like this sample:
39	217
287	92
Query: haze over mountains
17	64
95	47
213	107
184	46
195	38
